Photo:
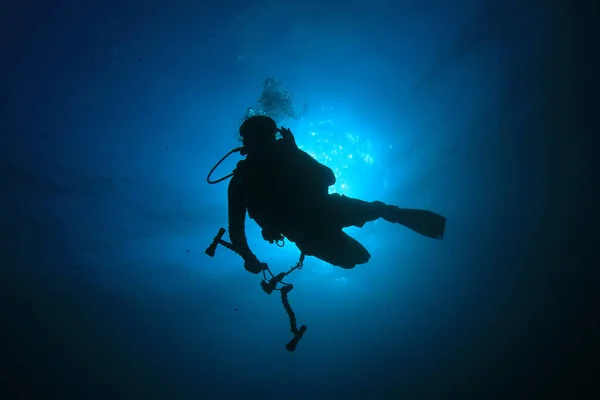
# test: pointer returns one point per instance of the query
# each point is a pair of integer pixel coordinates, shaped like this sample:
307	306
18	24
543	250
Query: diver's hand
287	135
285	132
251	264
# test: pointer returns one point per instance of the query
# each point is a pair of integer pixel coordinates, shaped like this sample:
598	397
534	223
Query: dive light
268	286
210	251
291	346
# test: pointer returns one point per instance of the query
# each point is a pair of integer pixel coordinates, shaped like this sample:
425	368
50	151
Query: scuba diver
286	192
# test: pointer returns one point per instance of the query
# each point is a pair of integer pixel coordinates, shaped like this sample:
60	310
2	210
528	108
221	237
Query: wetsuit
285	191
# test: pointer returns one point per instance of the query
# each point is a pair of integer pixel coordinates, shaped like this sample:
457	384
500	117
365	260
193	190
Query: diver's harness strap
269	285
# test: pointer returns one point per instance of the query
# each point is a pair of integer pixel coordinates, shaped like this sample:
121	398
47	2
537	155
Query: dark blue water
114	111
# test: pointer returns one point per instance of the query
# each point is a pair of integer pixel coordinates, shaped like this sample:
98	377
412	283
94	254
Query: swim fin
425	222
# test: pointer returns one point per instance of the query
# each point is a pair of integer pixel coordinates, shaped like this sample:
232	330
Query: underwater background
113	112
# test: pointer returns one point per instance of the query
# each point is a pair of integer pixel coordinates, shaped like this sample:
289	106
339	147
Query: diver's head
258	133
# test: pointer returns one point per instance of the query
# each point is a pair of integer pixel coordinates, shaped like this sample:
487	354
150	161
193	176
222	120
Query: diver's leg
336	248
347	211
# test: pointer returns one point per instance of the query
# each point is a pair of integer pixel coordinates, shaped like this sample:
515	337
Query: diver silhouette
286	192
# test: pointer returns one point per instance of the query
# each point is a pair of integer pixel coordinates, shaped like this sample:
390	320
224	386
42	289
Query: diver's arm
318	172
237	219
329	176
326	173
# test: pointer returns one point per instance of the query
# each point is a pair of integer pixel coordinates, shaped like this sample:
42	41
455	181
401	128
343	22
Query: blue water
114	112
